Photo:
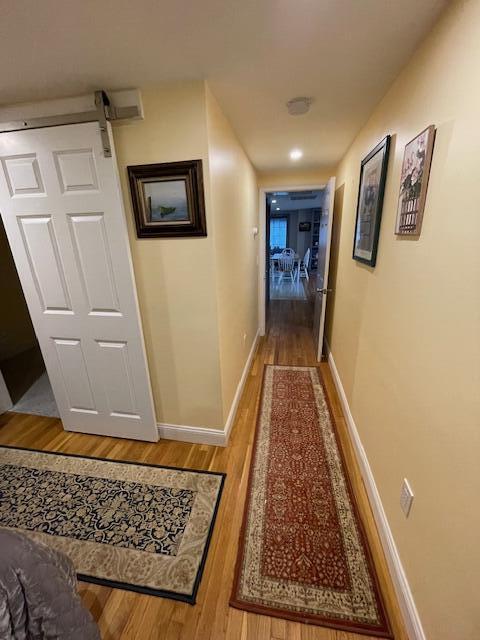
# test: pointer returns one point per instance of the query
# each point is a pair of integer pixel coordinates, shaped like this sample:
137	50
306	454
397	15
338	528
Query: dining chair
272	266
304	264
286	265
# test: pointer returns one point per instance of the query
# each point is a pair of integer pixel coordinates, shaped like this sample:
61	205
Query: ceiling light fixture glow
274	202
278	208
296	154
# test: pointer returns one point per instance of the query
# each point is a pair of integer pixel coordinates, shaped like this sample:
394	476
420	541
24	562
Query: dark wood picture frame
369	214
192	224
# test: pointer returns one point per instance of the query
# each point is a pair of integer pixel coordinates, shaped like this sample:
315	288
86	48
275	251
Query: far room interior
298	238
293	221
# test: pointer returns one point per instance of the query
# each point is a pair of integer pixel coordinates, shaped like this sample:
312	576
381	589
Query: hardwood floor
123	615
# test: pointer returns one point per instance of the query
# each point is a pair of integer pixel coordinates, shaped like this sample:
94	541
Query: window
278	233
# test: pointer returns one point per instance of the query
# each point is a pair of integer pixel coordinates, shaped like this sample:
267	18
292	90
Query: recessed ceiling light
278	208
296	154
274	202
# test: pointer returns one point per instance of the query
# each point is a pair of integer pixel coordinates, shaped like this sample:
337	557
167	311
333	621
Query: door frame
321	329
262	215
5	400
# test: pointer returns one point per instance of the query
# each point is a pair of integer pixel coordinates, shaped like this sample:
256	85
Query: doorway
295	232
25	382
292	250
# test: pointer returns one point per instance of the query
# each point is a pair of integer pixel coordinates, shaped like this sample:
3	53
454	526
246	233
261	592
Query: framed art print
168	199
414	182
373	174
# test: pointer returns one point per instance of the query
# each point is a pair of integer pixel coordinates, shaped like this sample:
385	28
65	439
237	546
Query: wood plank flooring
123	615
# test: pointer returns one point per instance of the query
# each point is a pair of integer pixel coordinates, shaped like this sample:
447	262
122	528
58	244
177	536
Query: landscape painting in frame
168	199
373	174
414	182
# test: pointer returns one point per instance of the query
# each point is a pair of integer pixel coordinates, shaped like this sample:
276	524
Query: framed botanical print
168	199
414	182
373	174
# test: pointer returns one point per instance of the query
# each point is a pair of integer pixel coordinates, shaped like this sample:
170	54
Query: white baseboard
405	598
201	435
197	435
238	393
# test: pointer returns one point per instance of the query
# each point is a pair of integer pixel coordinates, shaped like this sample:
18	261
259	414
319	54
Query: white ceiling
256	54
282	202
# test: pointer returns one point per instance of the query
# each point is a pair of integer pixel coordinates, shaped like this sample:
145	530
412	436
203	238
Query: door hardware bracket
104	111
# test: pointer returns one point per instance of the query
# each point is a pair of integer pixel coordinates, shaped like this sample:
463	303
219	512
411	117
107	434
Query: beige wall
234	205
294	178
406	335
16	330
197	296
176	277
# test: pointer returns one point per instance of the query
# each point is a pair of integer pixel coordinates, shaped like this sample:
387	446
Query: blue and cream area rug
126	525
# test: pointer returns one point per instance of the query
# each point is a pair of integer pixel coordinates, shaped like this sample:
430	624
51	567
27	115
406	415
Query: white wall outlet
406	497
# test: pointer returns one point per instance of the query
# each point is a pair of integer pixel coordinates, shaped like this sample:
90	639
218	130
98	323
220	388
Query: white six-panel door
63	213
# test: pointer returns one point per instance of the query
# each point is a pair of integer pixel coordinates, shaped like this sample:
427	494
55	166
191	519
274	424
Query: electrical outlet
406	497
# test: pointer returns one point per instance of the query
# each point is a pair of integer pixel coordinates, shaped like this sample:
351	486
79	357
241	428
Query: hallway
124	615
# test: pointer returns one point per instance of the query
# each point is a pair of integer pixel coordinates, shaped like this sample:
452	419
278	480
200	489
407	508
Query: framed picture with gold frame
168	199
414	183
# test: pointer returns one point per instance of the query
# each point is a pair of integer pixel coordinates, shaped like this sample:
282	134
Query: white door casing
62	208
5	400
324	242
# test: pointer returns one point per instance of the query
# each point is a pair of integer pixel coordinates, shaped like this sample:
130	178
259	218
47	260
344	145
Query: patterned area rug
126	525
303	553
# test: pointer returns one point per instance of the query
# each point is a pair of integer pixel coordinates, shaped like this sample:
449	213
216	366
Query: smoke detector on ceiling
299	106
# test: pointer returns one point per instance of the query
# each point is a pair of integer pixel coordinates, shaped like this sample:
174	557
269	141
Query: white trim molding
402	588
197	435
5	400
203	435
241	385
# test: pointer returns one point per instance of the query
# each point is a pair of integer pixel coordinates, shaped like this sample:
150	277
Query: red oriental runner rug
303	552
